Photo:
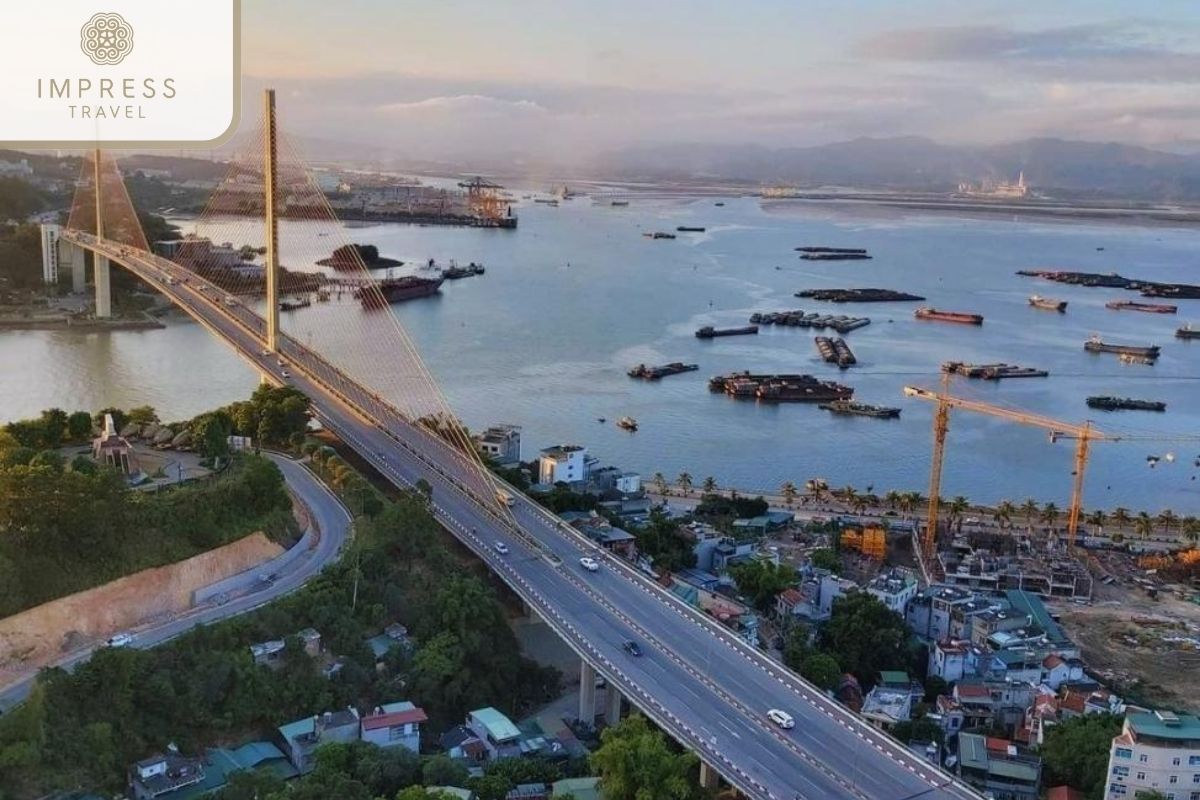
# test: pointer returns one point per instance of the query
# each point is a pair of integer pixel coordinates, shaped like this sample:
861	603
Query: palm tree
955	509
892	499
816	487
847	494
1190	526
859	503
1003	514
710	485
1167	518
1098	518
1030	509
1120	517
660	483
684	482
1143	526
1049	514
788	491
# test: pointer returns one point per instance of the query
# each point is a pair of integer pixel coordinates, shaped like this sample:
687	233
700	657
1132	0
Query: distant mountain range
1055	167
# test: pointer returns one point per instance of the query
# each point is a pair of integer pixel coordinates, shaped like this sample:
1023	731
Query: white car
590	564
781	718
120	640
285	374
501	548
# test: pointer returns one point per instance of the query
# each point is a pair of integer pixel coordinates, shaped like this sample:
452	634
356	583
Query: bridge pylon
271	214
101	273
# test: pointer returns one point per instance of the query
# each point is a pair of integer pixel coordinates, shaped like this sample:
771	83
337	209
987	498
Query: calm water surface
576	296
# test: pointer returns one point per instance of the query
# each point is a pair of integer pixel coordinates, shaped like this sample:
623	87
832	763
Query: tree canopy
1076	752
635	762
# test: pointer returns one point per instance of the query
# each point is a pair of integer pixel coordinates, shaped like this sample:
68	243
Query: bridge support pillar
270	195
71	257
612	706
709	779
587	693
101	277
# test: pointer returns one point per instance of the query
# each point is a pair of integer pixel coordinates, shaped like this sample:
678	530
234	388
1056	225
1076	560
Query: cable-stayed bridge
696	679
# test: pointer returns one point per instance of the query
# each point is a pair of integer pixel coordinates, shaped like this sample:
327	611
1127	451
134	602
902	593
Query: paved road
699	682
333	522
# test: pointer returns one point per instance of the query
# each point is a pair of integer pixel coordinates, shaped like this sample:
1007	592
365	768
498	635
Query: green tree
660	483
684	482
1049	514
1121	517
788	492
1004	513
825	558
761	581
79	426
635	762
1076	752
866	636
210	433
822	670
710	485
1167	518
443	771
1030	509
1143	525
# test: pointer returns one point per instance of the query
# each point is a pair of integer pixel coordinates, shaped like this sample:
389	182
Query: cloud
1110	53
475	104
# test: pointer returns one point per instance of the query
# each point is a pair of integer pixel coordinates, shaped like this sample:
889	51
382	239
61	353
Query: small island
343	258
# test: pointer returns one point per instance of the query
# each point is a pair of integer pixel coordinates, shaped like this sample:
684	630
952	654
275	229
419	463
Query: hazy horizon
564	82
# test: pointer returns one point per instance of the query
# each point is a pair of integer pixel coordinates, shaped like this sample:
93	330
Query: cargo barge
1095	345
709	332
455	272
658	235
1111	280
1149	308
835	351
1048	304
859	295
655	373
397	290
848	408
1125	404
799	319
948	316
779	388
1187	332
690	229
992	372
833	253
294	305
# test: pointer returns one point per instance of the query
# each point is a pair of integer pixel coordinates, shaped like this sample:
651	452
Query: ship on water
1148	308
397	290
627	424
709	332
690	229
654	373
948	316
992	372
1048	304
1096	345
782	388
1125	404
1187	332
848	408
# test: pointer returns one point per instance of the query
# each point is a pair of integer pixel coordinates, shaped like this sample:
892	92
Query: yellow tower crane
1083	435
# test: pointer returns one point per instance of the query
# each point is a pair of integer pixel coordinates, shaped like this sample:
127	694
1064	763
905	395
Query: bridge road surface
708	690
331	519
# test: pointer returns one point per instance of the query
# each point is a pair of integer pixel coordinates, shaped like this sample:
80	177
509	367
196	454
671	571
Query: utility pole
270	194
100	268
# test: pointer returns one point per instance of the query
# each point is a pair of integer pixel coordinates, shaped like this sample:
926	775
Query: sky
568	80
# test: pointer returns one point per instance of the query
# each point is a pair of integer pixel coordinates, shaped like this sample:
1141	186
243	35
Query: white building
628	483
1156	751
502	443
50	234
394	725
16	168
565	463
894	589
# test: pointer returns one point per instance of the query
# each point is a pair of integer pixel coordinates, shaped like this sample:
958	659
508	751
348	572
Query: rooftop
386	716
560	451
499	727
1164	725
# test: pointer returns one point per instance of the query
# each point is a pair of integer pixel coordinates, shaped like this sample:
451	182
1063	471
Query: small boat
627	423
1047	304
718	204
601	420
1187	332
619	203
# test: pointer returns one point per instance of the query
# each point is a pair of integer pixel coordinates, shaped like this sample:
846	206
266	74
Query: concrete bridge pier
587	693
612	706
102	278
709	779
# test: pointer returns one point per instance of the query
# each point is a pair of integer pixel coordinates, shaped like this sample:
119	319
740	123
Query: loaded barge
658	235
860	409
1187	332
833	253
1149	308
709	332
1111	280
1048	304
798	319
396	290
858	295
690	229
1095	345
835	351
1125	404
779	388
948	316
992	372
654	373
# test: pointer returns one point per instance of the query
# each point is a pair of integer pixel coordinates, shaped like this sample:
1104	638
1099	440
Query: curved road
331	519
707	688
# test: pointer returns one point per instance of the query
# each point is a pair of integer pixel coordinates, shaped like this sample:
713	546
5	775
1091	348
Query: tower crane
1083	435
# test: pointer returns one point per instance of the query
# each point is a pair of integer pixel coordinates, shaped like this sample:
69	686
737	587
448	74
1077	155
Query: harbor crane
485	198
1083	435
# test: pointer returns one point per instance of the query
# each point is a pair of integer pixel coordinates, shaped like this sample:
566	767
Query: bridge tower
271	194
101	269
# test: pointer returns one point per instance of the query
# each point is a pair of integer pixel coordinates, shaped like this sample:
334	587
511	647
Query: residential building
461	744
763	524
954	659
457	792
16	168
500	737
948	714
884	706
894	588
578	788
929	613
603	533
394	725
628	483
730	551
393	636
529	791
501	443
303	736
1079	701
1001	769
563	463
270	653
163	774
1156	751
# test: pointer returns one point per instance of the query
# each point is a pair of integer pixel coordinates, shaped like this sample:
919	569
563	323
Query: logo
106	38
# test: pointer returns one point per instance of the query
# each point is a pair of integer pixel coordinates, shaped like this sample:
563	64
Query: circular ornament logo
106	38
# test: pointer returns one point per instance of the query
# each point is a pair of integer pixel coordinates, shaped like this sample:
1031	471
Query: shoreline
83	326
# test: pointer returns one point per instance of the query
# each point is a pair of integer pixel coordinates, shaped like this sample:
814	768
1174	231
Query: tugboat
654	373
628	424
1047	304
1125	404
1187	332
948	316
